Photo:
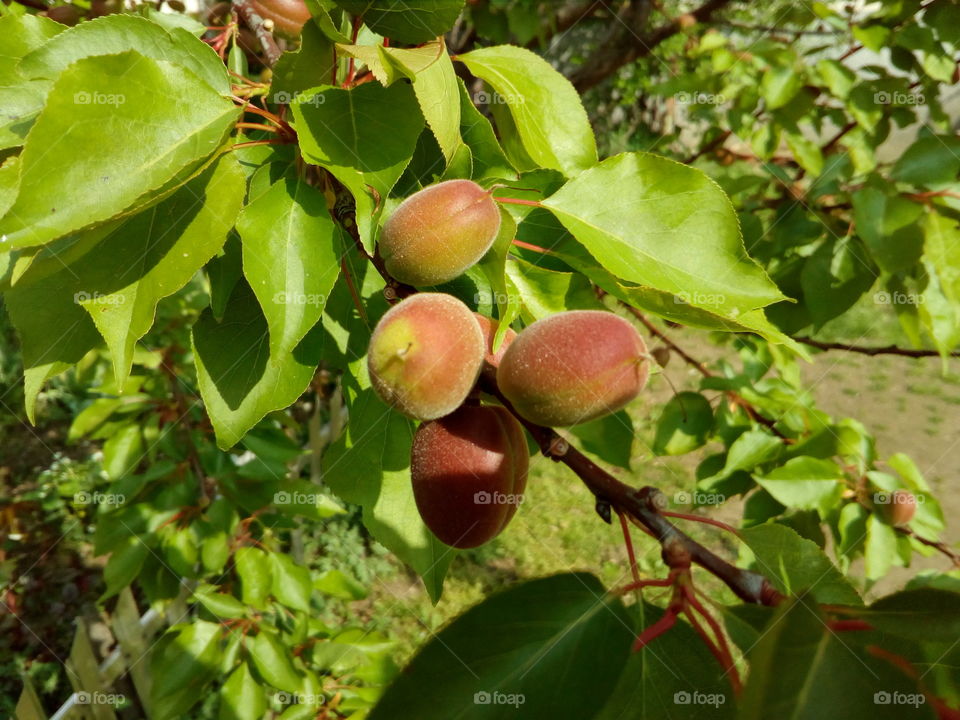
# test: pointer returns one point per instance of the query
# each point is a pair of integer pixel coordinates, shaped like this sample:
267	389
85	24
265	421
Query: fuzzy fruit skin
425	355
489	327
438	232
902	507
474	450
573	367
288	15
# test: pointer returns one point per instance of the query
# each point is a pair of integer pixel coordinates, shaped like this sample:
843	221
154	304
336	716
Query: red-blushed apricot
901	508
573	367
489	328
425	355
438	232
469	471
288	16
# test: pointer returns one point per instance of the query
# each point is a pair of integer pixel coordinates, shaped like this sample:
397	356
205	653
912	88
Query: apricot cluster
469	461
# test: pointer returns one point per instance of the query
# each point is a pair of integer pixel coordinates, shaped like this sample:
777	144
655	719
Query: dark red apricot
425	355
438	232
469	471
573	367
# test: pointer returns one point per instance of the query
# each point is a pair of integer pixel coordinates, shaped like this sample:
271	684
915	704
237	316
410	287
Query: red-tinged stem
258	126
528	246
358	303
518	201
725	656
699	518
849	625
237	146
640	584
629	543
666	621
351	64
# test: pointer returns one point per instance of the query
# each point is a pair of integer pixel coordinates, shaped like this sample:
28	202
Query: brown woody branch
257	24
860	349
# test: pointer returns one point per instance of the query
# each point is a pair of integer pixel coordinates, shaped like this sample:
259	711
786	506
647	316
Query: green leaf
115	34
873	37
220	604
667	227
838	78
181	664
673	677
19	35
795	564
940	305
407	22
254	570
489	160
931	161
290	258
273	661
240	379
124	565
889	226
300	70
364	136
684	424
834	277
136	123
370	467
291	582
805	483
242	697
545	108
122	451
439	97
806	152
800	669
547	292
157	252
880	549
925	614
547	648
779	84
750	449
340	585
610	438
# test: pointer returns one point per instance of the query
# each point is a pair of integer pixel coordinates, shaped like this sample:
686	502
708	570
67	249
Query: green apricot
425	355
573	367
437	233
469	471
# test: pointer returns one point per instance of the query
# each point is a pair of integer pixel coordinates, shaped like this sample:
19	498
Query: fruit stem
698	518
518	201
528	246
629	543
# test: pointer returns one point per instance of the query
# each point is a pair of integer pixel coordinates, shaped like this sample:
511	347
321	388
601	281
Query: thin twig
860	349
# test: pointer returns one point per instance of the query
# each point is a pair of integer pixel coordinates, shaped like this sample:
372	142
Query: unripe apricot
288	16
425	355
438	232
902	507
573	367
469	471
489	328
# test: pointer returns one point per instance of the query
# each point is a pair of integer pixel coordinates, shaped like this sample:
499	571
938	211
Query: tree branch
271	52
885	350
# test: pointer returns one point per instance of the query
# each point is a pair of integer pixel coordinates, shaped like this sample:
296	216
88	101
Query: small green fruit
469	471
425	355
437	233
573	367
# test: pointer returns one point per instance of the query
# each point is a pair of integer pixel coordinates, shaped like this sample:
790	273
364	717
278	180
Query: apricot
573	367
425	355
489	328
469	471
288	16
438	232
901	508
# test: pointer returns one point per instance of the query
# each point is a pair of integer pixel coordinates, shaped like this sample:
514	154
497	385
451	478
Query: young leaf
404	21
242	697
685	422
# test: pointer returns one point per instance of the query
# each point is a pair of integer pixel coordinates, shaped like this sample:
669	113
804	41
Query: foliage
178	227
